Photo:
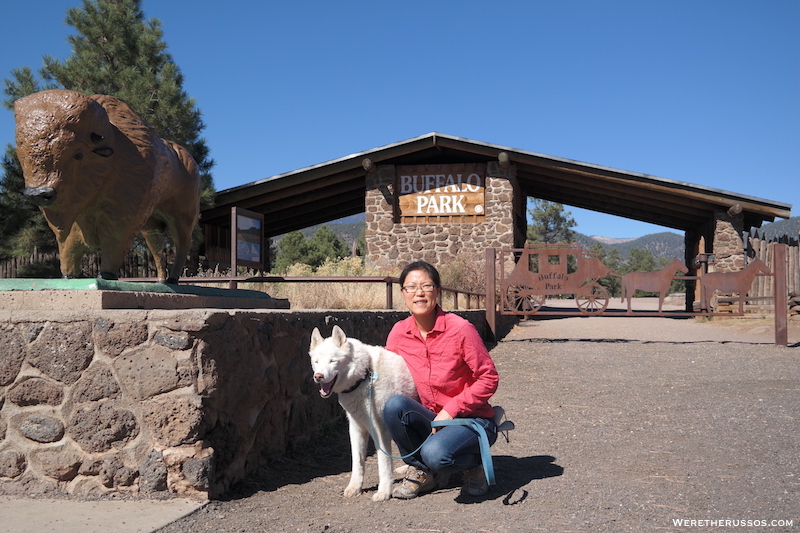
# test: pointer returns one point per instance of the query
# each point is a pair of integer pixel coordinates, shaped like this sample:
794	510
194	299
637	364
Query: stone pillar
511	202
728	246
379	215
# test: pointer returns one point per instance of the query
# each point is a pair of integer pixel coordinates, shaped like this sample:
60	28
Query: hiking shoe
475	483
415	482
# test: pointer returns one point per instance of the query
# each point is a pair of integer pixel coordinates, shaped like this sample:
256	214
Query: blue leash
483	438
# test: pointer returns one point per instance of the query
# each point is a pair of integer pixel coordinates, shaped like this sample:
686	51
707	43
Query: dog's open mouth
325	389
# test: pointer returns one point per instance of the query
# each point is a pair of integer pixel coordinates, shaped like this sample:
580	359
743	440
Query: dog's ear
316	338
339	338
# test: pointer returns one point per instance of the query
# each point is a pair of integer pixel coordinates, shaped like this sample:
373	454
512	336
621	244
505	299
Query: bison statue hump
101	175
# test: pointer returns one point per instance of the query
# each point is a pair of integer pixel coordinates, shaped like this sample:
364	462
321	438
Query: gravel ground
623	424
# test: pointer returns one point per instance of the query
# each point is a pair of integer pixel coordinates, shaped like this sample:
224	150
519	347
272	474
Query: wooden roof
335	189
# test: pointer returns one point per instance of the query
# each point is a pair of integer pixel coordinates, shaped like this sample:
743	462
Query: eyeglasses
428	287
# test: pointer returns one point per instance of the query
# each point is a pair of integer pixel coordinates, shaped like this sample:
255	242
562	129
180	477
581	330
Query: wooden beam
659	199
617	203
280	190
281	221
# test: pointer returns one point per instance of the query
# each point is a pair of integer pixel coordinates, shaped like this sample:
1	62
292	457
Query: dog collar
358	383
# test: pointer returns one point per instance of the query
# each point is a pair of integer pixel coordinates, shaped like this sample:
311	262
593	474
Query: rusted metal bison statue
101	175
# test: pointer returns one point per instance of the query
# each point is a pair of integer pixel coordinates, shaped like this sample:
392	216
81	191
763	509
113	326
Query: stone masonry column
511	202
379	215
728	246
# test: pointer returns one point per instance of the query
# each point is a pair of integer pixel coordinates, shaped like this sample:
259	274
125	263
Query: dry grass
463	273
322	295
467	272
334	295
747	321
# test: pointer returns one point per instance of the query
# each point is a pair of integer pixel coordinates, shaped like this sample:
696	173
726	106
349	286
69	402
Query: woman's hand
443	415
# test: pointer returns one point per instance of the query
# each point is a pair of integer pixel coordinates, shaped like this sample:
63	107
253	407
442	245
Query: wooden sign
247	238
441	193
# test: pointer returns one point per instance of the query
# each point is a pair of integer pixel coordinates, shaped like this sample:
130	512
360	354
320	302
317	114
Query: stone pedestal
68	294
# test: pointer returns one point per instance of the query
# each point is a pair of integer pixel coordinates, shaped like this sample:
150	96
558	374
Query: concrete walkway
39	515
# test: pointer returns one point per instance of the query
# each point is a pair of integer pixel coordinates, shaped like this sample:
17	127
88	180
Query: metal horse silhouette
738	282
658	281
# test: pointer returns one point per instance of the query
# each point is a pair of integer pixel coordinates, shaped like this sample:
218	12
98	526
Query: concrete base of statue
72	294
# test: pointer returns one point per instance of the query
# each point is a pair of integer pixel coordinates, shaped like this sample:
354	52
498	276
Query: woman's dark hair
421	265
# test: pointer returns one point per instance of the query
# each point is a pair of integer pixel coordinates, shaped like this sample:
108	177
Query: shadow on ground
514	473
329	455
326	455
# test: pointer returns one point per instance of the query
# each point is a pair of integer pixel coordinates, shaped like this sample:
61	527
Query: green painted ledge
123	286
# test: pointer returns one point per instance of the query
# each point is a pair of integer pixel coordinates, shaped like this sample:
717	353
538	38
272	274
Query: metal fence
542	272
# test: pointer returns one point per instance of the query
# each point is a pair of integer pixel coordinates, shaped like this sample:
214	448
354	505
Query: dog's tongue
325	389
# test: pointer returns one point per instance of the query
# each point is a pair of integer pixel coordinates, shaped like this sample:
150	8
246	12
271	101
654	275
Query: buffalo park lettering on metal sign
553	281
454	191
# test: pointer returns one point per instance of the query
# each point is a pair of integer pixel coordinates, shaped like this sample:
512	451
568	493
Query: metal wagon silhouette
551	270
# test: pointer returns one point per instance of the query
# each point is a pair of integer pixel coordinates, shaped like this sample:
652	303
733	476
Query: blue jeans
451	449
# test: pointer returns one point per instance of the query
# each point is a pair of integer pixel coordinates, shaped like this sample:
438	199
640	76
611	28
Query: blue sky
706	92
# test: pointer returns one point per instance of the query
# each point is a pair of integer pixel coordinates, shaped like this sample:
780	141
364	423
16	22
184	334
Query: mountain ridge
610	240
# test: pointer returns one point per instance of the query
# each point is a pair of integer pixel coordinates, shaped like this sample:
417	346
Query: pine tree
294	248
550	224
20	217
639	260
612	259
117	52
325	245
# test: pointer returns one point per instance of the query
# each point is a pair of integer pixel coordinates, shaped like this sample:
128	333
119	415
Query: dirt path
623	424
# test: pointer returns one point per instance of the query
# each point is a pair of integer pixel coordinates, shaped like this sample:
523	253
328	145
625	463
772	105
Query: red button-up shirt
451	368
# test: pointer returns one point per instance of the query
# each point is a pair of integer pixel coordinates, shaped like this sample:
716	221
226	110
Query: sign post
781	293
247	241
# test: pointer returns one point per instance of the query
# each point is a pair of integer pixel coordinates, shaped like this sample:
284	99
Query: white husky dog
360	374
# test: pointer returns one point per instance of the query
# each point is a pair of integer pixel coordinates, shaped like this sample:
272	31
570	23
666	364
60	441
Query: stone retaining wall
161	401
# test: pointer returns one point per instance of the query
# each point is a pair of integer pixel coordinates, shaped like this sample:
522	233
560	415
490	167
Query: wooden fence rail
137	264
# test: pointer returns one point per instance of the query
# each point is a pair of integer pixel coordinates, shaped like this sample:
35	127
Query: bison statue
101	175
